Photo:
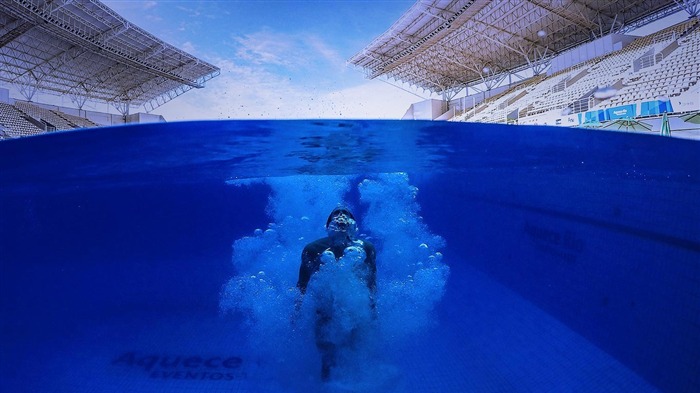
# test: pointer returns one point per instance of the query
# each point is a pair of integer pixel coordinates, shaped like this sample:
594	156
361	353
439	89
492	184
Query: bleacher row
25	119
659	66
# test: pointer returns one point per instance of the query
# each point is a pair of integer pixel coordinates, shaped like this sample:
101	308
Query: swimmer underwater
341	228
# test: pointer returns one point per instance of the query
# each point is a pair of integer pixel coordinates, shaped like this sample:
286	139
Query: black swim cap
338	210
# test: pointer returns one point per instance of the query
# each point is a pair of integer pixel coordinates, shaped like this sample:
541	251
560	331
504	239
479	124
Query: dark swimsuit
311	260
310	263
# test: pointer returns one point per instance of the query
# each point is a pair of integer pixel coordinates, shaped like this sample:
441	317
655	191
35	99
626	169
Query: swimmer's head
341	222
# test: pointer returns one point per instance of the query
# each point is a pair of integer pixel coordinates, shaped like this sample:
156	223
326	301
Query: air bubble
410	279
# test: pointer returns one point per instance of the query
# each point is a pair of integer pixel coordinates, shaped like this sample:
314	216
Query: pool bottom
505	344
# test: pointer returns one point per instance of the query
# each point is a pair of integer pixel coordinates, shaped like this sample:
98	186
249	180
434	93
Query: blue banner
656	107
594	116
622	112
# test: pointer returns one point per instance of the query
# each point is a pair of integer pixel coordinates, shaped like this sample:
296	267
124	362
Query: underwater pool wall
615	259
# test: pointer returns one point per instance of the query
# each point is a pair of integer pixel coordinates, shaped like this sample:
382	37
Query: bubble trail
411	278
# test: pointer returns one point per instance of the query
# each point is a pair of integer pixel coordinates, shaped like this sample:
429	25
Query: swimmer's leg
324	345
328	359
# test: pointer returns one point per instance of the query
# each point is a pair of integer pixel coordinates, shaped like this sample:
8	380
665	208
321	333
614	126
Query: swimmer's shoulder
318	246
368	245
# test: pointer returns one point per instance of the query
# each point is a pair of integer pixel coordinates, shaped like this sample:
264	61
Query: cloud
275	75
328	53
371	100
153	18
189	11
292	51
267	47
247	92
239	92
189	48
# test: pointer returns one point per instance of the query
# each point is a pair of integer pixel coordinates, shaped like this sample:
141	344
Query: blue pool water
164	257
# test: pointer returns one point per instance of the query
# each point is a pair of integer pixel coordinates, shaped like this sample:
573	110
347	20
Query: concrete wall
425	110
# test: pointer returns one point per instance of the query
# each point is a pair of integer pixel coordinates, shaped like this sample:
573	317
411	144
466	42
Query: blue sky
278	59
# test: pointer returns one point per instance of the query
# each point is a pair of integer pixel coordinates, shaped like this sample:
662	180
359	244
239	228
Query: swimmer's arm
372	281
305	270
371	262
304	277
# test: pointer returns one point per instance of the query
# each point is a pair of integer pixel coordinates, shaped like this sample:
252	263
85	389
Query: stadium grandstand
568	63
84	50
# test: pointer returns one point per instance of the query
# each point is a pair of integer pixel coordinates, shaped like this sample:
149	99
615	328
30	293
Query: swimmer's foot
325	373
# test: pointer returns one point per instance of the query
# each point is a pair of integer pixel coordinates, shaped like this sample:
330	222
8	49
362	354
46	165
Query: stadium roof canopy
86	50
444	45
